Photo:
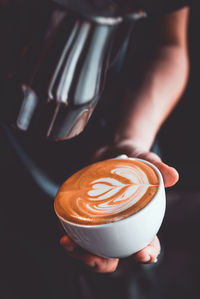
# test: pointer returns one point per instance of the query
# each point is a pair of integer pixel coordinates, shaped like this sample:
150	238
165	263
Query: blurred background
176	275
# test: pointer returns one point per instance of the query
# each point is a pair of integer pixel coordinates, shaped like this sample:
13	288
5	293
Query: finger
95	263
108	153
149	156
170	174
105	265
150	253
99	264
68	244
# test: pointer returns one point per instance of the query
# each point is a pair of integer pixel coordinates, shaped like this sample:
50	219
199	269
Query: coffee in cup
107	191
111	194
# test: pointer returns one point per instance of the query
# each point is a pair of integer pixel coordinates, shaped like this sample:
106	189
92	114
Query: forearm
147	104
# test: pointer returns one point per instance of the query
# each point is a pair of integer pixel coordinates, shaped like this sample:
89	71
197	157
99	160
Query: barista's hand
150	253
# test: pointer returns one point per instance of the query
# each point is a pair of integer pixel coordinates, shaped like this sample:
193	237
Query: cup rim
161	185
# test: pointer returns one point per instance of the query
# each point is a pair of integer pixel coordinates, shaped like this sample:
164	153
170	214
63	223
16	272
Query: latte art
107	191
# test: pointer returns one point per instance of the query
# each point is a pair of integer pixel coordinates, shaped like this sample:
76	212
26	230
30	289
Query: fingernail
147	259
155	261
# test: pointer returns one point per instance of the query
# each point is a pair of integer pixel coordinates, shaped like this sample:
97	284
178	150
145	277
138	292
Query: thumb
170	174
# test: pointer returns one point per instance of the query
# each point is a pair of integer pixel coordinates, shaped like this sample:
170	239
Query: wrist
141	126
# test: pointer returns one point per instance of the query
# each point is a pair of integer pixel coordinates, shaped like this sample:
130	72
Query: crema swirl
106	191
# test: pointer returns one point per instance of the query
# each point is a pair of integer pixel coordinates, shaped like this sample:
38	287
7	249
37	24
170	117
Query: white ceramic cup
124	237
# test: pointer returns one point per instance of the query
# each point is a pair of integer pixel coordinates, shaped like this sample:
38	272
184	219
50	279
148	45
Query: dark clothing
162	6
150	6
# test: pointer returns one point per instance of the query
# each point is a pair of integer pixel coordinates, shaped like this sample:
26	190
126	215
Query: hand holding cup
148	254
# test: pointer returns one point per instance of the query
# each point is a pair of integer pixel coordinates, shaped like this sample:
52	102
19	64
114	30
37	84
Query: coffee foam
106	191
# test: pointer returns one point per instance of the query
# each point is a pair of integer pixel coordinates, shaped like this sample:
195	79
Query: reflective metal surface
62	68
113	10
